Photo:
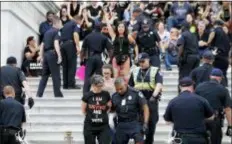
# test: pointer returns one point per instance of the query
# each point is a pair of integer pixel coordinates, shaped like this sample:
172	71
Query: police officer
70	49
128	103
11	118
51	55
188	51
219	99
148	41
13	76
92	48
202	73
148	80
188	112
219	40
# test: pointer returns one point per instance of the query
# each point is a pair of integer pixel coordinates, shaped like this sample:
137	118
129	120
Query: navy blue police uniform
96	123
14	77
12	115
147	42
50	65
188	112
189	58
92	48
219	99
222	43
69	53
202	73
128	107
145	81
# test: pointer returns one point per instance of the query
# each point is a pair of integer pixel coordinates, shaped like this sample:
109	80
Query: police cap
208	55
186	81
11	60
219	22
143	56
216	72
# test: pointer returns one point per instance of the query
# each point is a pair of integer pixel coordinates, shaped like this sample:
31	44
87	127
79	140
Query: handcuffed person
95	106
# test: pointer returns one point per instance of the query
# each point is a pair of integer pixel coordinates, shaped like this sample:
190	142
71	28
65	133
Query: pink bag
80	73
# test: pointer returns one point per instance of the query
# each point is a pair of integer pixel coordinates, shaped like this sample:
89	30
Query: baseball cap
186	81
216	72
137	9
208	55
11	60
143	56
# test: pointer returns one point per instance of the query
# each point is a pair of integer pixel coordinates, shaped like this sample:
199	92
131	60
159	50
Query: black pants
7	138
190	63
153	119
155	60
102	134
193	139
69	61
93	66
223	64
215	129
50	66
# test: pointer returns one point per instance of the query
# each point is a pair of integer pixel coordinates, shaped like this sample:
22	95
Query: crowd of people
123	47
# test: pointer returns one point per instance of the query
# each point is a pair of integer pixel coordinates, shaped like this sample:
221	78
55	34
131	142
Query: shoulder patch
59	33
141	94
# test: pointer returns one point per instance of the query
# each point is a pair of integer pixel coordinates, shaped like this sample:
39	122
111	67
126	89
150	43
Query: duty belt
179	134
126	120
65	41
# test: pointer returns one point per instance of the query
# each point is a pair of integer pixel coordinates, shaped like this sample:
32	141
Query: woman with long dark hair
121	42
64	17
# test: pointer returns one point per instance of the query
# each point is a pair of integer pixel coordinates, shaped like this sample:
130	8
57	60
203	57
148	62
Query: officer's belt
49	49
180	134
126	120
65	41
11	131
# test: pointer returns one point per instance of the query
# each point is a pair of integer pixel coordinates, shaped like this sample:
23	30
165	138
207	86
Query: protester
30	55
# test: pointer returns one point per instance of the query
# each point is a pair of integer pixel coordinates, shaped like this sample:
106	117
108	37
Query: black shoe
75	87
64	87
59	96
39	96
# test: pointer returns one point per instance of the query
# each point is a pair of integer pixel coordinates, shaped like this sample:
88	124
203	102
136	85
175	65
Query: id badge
123	102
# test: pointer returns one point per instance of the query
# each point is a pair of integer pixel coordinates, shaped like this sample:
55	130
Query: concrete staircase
51	117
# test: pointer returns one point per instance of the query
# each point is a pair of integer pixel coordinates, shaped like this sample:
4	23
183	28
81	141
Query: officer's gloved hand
229	131
145	128
31	102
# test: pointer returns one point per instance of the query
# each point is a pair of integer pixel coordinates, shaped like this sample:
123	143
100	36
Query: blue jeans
170	60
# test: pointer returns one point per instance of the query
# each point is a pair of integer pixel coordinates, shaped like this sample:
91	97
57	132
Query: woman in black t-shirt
95	105
64	17
94	11
30	54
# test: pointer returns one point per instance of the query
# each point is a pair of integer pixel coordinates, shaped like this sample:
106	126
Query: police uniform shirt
147	39
189	42
96	42
129	105
188	112
12	76
49	38
12	113
201	74
216	94
68	29
96	108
